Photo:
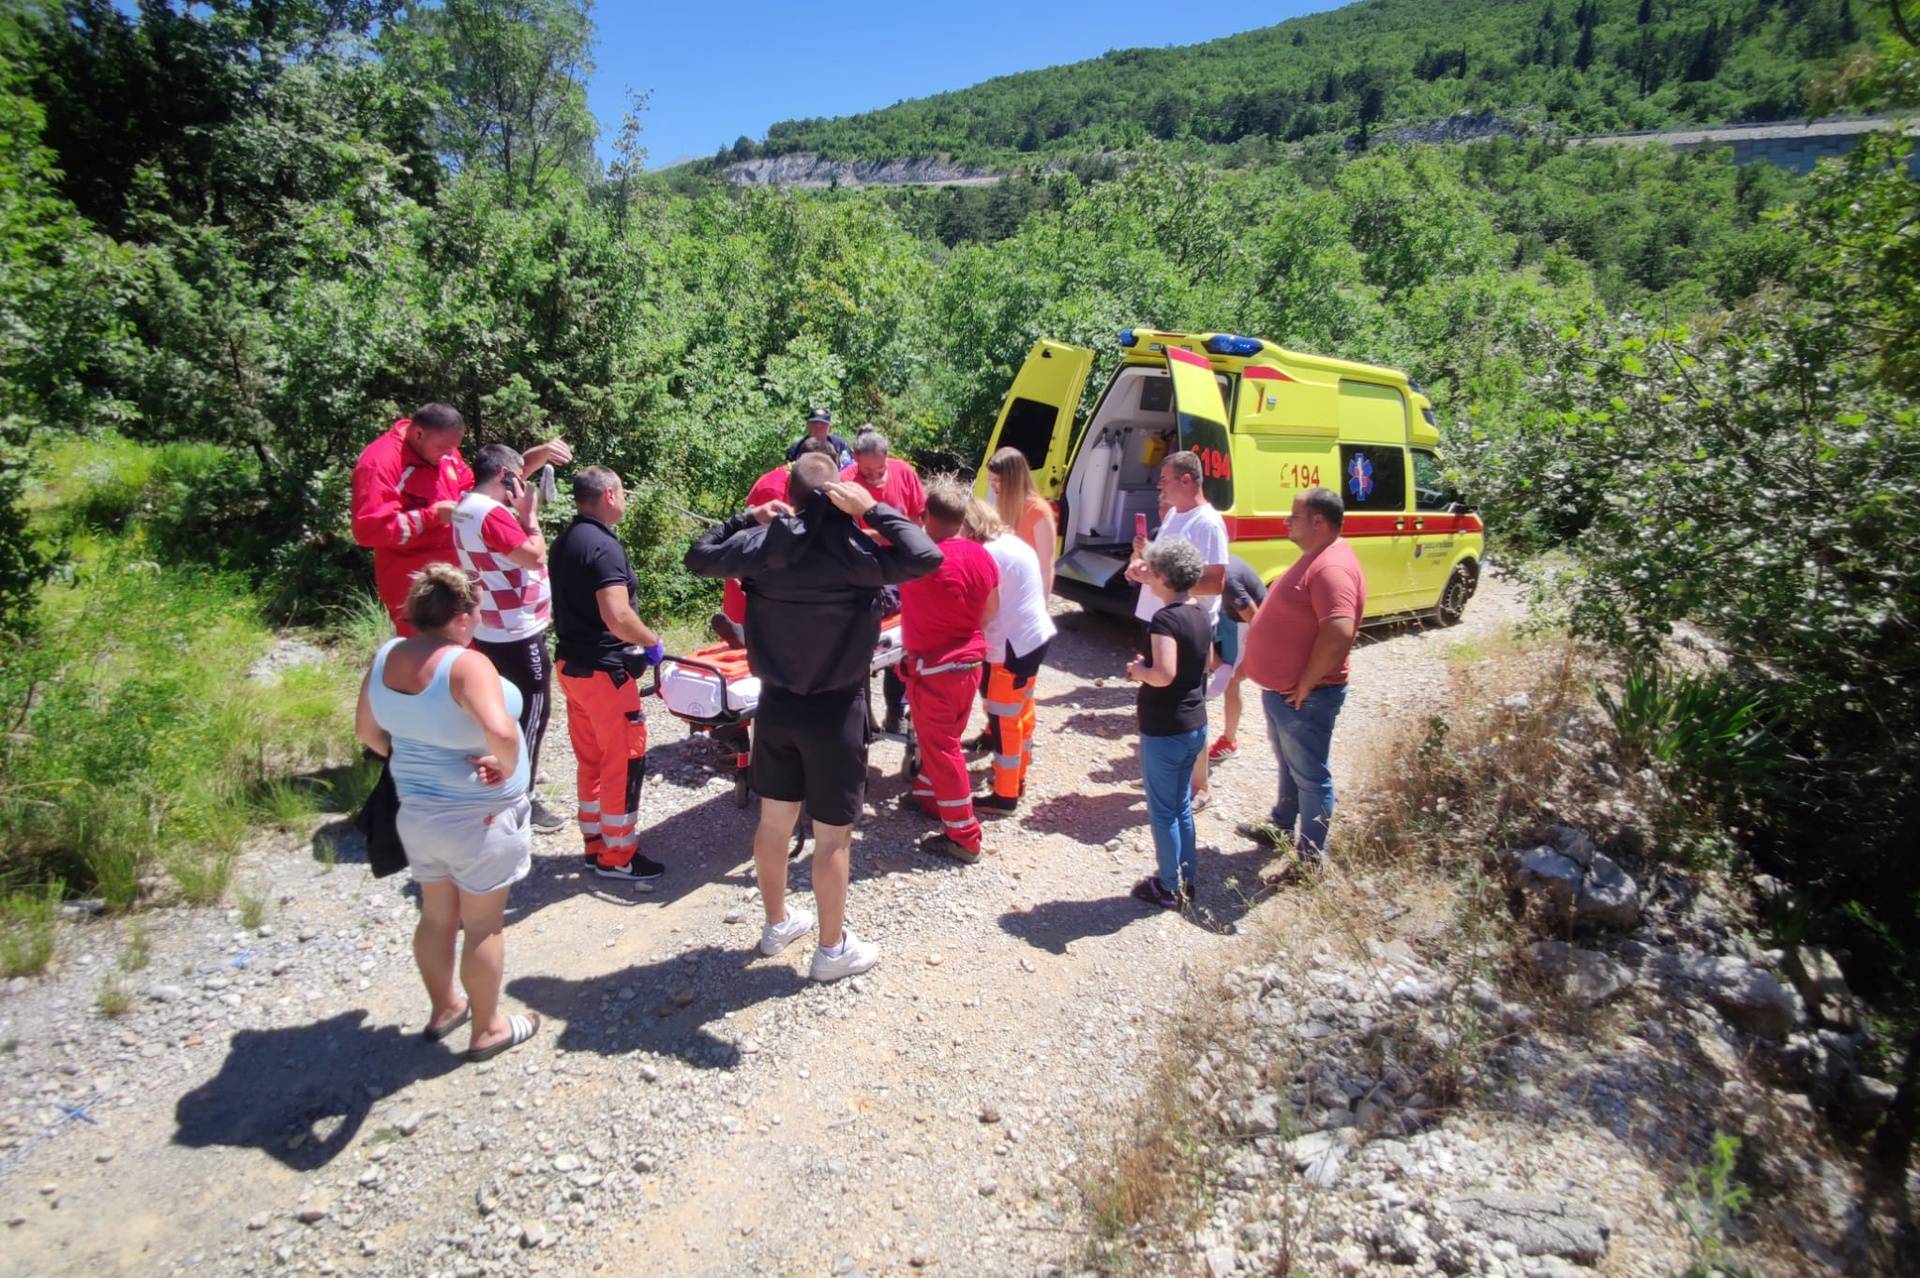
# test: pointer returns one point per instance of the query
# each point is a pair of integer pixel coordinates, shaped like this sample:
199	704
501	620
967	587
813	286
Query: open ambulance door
1203	424
1037	417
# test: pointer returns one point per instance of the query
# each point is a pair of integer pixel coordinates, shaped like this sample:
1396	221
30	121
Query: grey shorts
479	853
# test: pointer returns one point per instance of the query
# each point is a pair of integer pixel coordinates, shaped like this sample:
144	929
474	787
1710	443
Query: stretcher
714	693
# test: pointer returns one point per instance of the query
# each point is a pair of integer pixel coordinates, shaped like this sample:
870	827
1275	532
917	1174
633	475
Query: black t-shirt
586	558
1181	706
1243	588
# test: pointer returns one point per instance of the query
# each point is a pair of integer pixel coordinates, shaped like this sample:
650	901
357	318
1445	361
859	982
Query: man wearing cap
820	426
729	624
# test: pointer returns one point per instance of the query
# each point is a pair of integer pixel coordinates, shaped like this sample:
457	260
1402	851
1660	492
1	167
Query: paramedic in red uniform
496	534
940	627
405	486
593	598
894	483
813	582
729	623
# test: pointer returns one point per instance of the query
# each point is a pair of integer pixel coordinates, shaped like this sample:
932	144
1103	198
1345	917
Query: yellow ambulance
1266	422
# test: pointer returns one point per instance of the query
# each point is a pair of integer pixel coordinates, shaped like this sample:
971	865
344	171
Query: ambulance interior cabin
1115	475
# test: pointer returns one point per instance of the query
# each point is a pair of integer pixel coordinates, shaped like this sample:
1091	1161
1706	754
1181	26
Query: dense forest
1565	66
237	239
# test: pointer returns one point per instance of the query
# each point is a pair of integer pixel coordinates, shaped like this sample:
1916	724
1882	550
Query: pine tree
1706	54
1583	56
1645	16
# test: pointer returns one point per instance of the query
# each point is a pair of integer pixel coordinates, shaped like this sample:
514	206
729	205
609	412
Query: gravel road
266	1107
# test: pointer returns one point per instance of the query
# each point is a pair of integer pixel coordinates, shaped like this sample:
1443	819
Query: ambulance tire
1453	599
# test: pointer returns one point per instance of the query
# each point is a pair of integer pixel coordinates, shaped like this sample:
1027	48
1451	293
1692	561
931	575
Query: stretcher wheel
910	760
742	790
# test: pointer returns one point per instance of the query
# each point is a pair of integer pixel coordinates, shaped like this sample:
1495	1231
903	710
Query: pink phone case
1139	524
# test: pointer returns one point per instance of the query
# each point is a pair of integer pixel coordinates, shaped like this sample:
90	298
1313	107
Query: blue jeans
1167	764
1303	742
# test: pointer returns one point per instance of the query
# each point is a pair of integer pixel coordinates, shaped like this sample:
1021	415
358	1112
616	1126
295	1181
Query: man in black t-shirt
820	426
593	596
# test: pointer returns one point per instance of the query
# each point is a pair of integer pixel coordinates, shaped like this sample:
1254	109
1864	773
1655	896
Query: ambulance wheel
1453	599
742	790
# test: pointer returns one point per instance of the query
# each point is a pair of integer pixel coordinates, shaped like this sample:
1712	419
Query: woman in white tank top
1017	639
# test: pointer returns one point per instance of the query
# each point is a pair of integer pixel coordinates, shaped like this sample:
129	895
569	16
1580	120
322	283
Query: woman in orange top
1023	509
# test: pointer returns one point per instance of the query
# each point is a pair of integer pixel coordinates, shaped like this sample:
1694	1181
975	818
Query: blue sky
720	71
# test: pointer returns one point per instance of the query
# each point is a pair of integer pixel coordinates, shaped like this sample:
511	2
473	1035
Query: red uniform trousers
1010	719
941	698
609	732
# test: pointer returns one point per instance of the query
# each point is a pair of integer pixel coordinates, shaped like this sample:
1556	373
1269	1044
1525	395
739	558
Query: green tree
509	85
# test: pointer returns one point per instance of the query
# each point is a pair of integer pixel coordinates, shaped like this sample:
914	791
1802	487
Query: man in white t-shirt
496	537
1191	519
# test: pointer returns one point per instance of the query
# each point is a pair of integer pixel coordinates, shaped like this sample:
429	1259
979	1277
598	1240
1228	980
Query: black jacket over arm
813	588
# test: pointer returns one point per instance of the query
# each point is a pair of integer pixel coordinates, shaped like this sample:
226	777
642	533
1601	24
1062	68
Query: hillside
1597	66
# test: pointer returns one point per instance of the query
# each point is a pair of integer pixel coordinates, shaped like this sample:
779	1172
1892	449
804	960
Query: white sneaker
775	937
855	957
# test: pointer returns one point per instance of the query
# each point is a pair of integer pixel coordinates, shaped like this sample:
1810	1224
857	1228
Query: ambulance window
1029	428
1431	491
1373	477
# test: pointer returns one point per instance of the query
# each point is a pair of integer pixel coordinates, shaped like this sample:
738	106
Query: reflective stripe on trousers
941	698
609	735
1010	717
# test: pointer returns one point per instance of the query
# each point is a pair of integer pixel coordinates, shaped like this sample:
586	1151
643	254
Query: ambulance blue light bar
1126	337
1228	344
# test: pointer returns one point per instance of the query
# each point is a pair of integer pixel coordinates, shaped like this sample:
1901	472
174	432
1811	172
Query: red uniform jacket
394	490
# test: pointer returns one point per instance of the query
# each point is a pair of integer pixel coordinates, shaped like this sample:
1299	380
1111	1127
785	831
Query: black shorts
813	748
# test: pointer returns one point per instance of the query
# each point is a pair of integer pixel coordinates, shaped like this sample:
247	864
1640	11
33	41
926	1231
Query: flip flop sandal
434	1033
520	1029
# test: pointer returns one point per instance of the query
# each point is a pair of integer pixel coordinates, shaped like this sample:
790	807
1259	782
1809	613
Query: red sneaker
1223	749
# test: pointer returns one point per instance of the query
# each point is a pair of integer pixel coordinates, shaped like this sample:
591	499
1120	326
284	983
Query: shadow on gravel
299	1095
1054	925
674	1002
1106	725
1230	887
1088	818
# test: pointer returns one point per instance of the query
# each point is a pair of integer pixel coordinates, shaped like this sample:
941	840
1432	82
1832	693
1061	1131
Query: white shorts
479	853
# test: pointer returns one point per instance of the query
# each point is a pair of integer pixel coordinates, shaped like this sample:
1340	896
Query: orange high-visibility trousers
1010	719
609	734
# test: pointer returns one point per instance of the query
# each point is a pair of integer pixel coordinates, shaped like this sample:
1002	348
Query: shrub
1696	728
27	918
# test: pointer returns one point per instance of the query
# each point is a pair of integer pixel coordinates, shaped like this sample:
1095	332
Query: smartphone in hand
1140	525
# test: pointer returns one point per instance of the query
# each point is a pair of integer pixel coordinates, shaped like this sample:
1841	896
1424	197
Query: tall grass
137	744
26	929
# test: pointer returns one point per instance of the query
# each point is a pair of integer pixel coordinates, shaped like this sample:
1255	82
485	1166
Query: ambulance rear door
1202	413
1037	416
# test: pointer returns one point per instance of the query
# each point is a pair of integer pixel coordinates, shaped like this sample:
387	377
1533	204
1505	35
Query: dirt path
690	1107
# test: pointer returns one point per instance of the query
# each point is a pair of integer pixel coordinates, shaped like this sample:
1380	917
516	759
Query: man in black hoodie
813	580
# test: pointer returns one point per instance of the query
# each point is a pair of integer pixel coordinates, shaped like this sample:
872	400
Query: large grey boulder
1817	976
1747	996
1548	882
1571	883
1607	896
1586	978
1537	1224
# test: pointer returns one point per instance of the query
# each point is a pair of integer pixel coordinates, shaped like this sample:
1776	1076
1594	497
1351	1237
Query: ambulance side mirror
1458	507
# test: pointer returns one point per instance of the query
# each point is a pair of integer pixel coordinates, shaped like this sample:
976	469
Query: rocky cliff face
813	171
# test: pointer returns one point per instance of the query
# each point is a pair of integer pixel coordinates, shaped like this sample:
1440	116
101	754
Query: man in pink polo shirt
1297	655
